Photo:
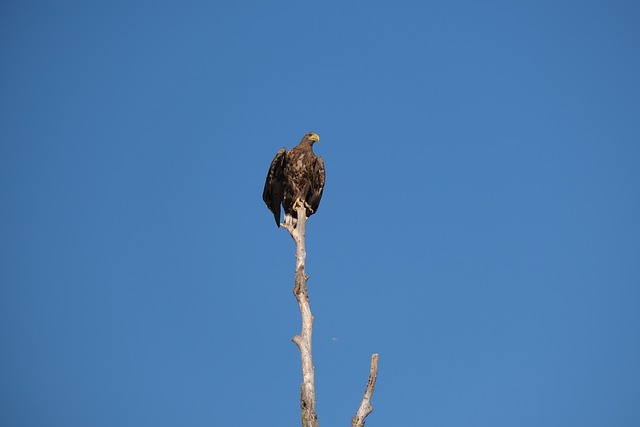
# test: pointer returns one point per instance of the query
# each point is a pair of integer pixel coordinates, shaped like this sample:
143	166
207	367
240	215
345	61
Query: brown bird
295	177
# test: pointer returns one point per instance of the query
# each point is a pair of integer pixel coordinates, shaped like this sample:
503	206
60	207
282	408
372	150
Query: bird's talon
296	203
308	206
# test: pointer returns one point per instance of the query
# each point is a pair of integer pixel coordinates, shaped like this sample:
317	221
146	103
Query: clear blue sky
480	226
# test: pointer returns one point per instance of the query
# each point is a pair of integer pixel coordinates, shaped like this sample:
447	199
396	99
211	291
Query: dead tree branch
297	229
365	406
303	339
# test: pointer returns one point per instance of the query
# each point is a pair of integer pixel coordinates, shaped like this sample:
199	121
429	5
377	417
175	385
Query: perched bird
295	178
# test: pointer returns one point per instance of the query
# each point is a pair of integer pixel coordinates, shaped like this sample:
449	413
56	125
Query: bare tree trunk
297	230
303	339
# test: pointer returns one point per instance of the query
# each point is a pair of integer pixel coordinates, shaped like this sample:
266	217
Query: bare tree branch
365	406
297	230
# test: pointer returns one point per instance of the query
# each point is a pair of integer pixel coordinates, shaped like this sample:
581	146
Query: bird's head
311	137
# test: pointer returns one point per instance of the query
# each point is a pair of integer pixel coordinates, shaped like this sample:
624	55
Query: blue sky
479	227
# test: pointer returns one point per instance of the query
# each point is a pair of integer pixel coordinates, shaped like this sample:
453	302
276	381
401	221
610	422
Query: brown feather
274	185
295	174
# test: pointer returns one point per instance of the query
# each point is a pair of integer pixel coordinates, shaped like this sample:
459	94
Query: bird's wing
317	184
274	185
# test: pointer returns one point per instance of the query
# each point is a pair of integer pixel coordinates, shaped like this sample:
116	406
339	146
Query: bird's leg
301	202
308	206
295	204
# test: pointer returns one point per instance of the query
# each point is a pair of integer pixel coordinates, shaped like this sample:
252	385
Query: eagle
295	178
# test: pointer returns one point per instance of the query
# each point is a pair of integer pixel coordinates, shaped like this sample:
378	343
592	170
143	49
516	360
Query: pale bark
303	339
297	229
365	406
